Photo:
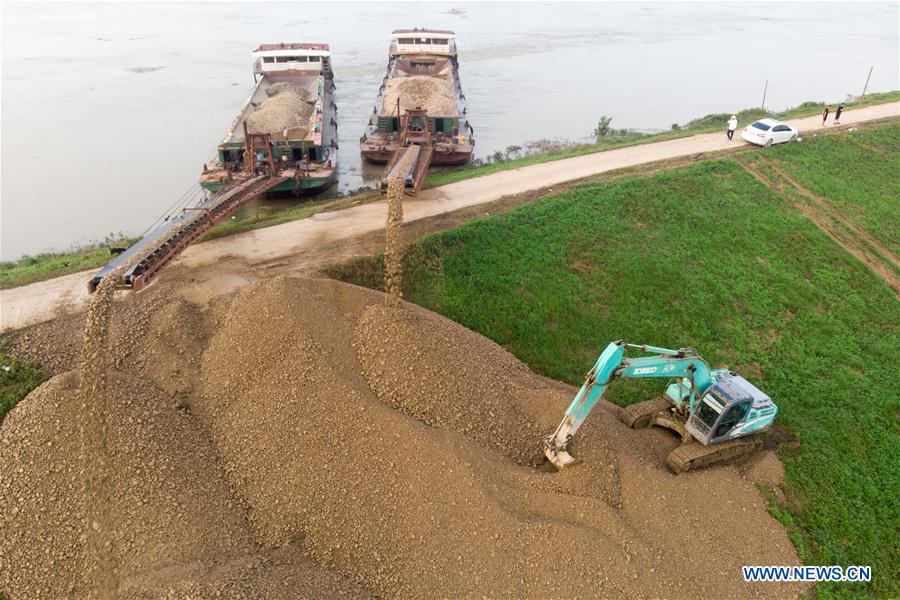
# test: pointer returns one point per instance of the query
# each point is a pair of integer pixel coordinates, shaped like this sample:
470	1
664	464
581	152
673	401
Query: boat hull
377	154
312	184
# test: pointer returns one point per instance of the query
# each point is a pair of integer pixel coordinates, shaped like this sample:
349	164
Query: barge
420	101
287	126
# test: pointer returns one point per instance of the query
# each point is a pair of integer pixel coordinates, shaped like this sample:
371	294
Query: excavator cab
731	407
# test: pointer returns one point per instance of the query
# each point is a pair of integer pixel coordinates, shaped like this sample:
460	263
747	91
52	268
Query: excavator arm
683	363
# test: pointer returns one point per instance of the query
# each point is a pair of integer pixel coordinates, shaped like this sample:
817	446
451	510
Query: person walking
837	114
825	115
732	125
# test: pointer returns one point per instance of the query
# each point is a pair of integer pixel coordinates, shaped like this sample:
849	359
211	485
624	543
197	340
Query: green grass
857	172
702	256
18	381
39	267
712	122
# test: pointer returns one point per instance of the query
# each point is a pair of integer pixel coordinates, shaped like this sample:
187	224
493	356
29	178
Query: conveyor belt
161	245
414	161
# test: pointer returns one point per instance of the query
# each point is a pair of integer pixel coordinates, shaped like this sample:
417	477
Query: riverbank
307	244
30	269
705	124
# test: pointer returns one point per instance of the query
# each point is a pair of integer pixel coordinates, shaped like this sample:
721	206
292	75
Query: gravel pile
173	516
314	441
421	366
433	93
287	107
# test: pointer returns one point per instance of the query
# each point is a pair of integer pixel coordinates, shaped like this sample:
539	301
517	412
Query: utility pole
865	87
765	89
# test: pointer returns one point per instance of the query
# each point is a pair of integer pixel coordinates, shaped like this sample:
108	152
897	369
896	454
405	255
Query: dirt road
45	300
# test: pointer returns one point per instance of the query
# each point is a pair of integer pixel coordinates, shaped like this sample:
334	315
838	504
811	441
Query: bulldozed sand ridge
299	438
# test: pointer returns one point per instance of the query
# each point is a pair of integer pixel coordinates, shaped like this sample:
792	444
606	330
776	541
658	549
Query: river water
109	110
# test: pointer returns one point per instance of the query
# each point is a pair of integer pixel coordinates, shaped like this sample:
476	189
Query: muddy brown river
109	110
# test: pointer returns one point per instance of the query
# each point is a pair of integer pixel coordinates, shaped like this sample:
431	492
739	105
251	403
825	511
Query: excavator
716	412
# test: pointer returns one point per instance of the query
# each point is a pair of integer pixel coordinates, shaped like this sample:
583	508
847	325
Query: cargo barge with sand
420	102
288	124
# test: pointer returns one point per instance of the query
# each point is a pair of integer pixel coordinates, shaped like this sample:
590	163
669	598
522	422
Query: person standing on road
825	115
732	125
837	114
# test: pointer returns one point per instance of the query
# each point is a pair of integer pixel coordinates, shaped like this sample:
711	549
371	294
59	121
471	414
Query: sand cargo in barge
420	101
287	126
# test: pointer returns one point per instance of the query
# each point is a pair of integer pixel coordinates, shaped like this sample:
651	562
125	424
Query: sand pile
172	513
390	445
287	107
419	365
433	93
419	502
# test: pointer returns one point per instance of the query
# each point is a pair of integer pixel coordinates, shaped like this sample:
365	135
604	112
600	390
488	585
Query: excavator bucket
559	458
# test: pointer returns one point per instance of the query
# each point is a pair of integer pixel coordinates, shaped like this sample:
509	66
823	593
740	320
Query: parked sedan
766	132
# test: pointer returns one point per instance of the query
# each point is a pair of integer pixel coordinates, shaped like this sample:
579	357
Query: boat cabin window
315	59
406	41
312	154
269	59
233	159
423	41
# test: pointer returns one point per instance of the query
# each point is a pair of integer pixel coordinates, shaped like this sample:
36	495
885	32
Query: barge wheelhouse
422	79
289	122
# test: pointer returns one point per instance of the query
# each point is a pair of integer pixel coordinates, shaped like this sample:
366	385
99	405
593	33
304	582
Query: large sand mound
398	449
175	517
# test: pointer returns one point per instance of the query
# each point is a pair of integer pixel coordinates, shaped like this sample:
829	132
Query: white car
766	132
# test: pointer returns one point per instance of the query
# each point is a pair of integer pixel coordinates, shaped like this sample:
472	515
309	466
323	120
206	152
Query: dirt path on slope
848	236
836	213
41	301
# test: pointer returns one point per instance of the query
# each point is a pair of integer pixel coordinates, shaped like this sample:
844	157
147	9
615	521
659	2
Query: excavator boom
731	407
683	363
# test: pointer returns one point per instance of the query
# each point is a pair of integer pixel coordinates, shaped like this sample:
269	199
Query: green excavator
716	412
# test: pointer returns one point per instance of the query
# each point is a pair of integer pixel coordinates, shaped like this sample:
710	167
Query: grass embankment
708	257
30	269
709	123
48	265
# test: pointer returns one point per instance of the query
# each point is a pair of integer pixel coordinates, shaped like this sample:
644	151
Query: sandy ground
313	238
300	439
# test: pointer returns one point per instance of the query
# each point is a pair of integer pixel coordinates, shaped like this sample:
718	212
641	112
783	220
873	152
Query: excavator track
691	457
641	414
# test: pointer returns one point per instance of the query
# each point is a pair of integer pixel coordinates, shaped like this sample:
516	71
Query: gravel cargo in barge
288	124
422	74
